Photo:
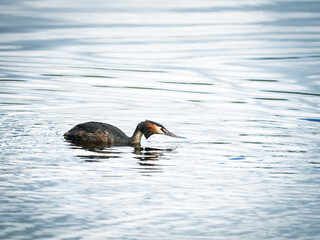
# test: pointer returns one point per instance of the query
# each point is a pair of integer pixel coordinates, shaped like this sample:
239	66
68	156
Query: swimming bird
98	132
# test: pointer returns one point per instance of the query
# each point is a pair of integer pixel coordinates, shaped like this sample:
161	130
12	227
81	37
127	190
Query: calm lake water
239	79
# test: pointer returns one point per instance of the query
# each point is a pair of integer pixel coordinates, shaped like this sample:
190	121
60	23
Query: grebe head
149	128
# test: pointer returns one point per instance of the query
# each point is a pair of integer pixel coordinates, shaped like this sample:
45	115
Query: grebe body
98	132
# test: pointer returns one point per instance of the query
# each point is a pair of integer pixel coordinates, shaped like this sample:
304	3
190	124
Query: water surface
239	80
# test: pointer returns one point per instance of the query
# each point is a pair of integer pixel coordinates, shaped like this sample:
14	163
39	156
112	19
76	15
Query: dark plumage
97	132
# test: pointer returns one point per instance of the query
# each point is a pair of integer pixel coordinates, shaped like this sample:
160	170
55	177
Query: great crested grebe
97	132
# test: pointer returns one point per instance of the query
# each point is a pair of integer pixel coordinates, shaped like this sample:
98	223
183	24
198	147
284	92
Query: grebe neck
136	137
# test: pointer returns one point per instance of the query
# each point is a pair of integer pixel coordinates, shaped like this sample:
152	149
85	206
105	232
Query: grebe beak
166	132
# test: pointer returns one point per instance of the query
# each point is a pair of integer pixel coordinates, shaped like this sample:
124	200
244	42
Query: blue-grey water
239	79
